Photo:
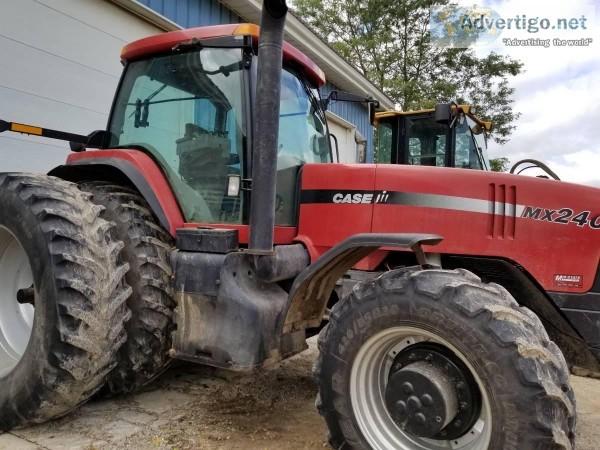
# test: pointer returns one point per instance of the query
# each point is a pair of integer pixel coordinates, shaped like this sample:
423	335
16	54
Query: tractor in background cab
450	135
208	223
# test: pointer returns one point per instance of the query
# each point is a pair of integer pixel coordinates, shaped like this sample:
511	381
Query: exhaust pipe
266	128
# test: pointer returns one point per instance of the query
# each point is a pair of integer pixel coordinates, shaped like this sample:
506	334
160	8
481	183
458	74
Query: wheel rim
368	380
16	319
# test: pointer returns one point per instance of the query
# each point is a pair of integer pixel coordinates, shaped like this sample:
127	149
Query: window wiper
142	108
141	116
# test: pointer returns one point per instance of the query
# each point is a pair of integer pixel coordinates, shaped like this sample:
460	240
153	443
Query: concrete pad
158	402
10	442
135	417
59	440
588	412
118	430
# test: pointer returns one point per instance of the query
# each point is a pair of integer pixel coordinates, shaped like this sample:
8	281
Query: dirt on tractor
195	407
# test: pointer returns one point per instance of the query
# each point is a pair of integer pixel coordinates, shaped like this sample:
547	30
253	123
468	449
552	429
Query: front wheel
437	359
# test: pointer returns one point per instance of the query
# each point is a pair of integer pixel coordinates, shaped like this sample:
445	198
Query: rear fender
311	290
131	167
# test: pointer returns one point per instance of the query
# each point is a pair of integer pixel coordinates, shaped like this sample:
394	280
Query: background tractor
448	136
211	225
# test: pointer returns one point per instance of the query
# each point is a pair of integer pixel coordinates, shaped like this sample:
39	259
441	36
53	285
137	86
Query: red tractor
212	226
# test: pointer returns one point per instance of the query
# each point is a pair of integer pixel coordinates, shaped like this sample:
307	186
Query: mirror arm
341	96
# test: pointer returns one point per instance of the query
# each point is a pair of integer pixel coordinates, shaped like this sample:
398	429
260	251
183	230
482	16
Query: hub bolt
464	405
427	400
408	388
420	419
414	403
458	424
460	385
401	407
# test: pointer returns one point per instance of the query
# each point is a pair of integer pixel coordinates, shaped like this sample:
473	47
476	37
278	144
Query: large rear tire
147	249
416	340
62	299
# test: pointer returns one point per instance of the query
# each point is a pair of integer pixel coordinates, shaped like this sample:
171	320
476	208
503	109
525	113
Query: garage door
59	67
344	132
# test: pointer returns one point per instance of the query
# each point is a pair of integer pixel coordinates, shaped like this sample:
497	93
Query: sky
558	95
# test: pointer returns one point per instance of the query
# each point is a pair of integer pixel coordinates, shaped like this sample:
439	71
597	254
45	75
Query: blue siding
193	13
198	13
354	113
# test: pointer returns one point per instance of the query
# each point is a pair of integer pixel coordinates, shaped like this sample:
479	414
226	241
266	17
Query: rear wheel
147	250
62	299
436	359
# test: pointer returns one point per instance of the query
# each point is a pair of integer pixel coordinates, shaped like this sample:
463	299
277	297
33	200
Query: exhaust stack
266	129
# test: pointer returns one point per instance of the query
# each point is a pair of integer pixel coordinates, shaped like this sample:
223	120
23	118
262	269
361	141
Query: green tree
388	41
499	164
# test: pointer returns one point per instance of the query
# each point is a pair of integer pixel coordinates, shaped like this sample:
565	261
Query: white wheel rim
16	320
368	380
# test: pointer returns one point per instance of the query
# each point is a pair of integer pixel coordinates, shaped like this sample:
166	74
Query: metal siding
354	113
49	78
193	13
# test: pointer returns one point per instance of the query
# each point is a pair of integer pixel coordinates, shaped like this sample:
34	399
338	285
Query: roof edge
147	14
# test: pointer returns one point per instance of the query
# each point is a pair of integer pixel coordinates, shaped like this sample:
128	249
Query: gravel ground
194	407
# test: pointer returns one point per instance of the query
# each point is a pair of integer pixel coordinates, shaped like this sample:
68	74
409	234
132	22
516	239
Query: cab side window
302	140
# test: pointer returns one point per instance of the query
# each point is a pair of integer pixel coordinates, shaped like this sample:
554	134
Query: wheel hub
421	399
429	395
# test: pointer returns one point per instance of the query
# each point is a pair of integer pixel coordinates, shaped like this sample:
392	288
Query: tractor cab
422	139
187	101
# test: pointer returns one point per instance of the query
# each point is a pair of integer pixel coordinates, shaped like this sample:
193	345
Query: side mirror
337	147
443	113
319	145
372	108
99	139
96	139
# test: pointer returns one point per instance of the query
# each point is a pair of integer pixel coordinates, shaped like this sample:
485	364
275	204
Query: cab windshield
186	111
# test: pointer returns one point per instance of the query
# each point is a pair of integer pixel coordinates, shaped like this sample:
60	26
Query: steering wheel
534	163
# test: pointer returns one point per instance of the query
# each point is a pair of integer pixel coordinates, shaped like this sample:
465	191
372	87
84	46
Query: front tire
441	325
62	299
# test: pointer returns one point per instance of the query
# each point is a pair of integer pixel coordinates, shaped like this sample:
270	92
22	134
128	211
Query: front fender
311	289
132	166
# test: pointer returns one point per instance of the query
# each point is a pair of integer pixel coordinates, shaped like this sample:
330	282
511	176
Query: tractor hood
551	228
